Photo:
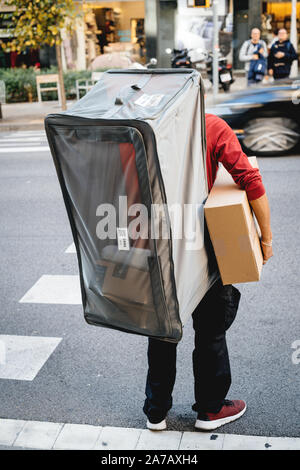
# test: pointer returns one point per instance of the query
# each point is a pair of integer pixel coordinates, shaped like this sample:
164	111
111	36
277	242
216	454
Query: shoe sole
157	426
211	425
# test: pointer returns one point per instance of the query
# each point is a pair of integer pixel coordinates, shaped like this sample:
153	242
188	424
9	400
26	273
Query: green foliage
37	22
70	78
19	83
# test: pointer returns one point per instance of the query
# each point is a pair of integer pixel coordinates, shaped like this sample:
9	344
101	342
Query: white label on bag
123	239
149	100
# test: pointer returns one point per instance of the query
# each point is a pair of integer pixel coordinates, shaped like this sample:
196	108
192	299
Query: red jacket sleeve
228	151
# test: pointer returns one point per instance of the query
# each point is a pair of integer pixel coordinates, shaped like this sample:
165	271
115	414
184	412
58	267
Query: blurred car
265	118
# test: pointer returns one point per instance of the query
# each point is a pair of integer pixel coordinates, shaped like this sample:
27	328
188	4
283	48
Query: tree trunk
61	78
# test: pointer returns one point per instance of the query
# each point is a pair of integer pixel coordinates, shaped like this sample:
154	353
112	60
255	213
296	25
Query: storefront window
114	33
277	15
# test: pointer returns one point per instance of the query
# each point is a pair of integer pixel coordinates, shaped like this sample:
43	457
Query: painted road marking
71	248
23	140
54	289
24	149
29	132
25	355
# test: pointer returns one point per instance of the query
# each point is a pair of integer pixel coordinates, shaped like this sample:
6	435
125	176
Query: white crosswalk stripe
54	289
71	248
23	149
36	133
25	355
21	142
20	139
21	357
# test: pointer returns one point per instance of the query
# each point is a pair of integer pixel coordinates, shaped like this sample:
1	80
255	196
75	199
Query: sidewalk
18	434
30	116
27	116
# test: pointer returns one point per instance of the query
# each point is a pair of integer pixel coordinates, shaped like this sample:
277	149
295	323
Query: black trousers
212	378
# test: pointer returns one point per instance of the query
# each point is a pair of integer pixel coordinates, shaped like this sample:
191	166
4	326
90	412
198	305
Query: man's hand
267	252
279	55
270	72
261	50
255	57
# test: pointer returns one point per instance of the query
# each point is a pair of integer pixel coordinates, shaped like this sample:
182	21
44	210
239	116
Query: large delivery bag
130	159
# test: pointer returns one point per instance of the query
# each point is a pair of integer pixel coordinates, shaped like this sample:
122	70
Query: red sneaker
230	411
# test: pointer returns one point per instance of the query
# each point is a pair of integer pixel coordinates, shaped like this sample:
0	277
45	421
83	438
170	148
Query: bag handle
128	90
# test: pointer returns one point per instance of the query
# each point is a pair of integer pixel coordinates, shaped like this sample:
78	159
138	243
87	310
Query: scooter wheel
226	87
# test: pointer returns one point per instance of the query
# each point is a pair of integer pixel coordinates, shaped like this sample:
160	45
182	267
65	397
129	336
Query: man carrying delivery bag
141	134
216	311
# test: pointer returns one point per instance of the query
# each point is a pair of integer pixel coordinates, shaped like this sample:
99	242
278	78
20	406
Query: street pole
62	94
293	37
215	50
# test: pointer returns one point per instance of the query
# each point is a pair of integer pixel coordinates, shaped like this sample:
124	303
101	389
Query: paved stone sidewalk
27	116
18	434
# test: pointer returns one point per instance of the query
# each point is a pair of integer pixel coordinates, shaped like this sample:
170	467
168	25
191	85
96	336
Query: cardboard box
233	230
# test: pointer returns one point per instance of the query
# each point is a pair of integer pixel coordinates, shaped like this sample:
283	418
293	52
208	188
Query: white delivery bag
130	158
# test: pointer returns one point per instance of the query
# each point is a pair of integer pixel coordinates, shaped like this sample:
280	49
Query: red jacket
223	146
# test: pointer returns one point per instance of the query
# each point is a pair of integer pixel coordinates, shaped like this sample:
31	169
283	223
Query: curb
16	434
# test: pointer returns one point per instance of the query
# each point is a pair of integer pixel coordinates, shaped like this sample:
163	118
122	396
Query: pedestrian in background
281	56
258	66
254	49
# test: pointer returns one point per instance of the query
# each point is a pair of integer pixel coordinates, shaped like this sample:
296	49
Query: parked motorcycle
180	58
201	60
225	71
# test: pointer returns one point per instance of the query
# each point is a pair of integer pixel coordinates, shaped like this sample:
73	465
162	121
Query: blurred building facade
182	24
110	27
108	33
102	27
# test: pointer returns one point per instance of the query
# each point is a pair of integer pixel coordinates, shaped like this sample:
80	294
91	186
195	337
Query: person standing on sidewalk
250	52
281	56
216	311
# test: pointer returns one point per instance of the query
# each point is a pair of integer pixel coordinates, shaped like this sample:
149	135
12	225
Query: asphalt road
96	375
